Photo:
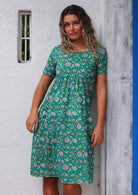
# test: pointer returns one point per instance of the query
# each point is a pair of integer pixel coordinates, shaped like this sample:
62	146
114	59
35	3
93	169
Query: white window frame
25	38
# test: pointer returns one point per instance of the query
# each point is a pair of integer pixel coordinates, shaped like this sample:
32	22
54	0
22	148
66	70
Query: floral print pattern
61	146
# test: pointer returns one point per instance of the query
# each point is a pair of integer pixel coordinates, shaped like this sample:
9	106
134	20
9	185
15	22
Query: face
72	27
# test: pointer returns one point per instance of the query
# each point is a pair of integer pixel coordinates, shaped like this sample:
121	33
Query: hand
97	136
32	120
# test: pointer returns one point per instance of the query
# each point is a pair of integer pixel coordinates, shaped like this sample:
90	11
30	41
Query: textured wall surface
119	114
112	22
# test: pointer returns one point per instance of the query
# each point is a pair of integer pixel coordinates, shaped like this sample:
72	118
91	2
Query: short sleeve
102	61
50	67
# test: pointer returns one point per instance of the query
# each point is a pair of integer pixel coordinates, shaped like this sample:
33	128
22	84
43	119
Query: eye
76	23
66	25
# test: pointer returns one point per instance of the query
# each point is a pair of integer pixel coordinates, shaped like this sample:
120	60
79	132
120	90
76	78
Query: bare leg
50	186
71	189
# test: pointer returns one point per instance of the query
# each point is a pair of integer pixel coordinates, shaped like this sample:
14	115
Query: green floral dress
61	146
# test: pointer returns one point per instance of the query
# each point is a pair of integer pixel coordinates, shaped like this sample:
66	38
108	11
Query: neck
79	43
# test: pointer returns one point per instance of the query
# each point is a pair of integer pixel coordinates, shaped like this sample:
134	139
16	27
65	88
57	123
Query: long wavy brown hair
88	31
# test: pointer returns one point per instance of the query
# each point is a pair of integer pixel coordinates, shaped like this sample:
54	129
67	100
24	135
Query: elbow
102	91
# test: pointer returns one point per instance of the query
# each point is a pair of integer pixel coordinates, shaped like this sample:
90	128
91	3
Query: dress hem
62	181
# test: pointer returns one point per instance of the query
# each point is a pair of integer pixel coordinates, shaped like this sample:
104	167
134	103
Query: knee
69	188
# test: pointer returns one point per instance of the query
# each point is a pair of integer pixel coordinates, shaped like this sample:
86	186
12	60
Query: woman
64	136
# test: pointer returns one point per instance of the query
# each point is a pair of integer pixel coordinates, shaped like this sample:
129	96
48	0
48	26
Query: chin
74	38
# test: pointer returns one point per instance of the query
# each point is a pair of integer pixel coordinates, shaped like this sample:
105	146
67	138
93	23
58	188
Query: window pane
24	31
28	27
23	47
28	49
23	25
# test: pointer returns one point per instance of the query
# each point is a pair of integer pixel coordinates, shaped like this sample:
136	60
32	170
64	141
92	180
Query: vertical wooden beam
119	110
135	98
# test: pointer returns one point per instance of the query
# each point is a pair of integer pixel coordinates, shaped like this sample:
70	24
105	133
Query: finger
36	125
94	144
100	141
92	137
31	131
30	127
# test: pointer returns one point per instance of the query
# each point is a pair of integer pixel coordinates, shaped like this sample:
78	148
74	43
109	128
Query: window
24	36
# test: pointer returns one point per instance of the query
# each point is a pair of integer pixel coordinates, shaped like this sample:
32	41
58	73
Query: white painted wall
18	83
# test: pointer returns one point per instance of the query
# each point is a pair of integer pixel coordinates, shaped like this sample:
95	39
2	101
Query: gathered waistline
73	75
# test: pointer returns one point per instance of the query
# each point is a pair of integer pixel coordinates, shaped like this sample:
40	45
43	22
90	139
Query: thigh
50	179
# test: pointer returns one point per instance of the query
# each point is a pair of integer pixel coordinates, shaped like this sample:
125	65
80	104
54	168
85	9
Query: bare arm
38	97
40	91
101	91
101	99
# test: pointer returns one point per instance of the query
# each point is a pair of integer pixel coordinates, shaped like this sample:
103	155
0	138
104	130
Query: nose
71	27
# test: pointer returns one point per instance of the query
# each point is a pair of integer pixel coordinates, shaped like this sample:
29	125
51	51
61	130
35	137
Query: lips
73	33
